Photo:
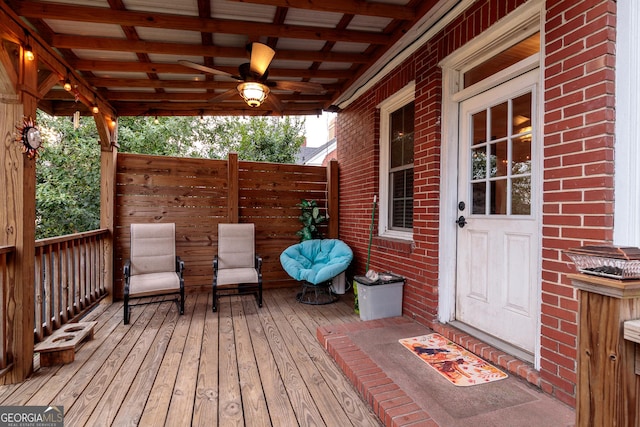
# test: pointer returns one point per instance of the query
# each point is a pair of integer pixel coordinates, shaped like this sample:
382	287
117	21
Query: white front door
498	245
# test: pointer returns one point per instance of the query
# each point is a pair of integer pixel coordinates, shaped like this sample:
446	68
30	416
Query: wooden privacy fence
70	278
197	194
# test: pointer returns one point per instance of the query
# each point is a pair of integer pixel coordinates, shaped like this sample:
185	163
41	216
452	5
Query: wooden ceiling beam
51	59
38	10
61	95
138	67
172	84
354	7
111	44
227	108
154	84
190	97
222	109
45	86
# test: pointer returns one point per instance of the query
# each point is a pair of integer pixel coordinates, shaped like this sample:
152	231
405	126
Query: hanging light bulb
95	109
28	53
156	121
67	85
253	93
28	50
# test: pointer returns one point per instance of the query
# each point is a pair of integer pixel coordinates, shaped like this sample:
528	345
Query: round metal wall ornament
30	138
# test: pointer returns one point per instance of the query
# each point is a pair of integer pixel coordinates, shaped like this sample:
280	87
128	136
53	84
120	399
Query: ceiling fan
255	87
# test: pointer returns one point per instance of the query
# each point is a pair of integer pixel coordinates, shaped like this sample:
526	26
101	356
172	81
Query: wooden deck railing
5	253
70	278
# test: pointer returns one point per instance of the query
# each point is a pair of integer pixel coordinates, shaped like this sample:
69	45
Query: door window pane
499	114
521	163
499	159
521	196
479	201
479	163
479	124
521	121
498	197
500	170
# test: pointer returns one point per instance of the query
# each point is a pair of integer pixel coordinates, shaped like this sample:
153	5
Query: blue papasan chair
315	263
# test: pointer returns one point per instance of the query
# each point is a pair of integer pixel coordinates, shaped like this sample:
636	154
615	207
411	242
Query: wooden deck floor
242	366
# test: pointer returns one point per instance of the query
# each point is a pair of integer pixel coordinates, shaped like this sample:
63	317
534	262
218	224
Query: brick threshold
389	402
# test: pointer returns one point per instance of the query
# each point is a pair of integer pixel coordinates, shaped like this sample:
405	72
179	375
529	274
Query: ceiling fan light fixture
261	56
253	93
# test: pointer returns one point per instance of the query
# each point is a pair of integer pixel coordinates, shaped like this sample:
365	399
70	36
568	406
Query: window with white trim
397	114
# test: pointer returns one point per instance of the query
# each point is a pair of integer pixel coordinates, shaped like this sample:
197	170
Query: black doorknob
461	221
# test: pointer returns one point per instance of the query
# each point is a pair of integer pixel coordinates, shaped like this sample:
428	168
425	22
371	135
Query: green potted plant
310	219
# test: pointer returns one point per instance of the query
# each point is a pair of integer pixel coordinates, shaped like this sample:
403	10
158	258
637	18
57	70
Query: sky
317	129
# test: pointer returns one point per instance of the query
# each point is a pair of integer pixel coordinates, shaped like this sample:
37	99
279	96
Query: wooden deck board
12	394
272	384
324	400
229	397
185	387
243	365
305	328
319	364
130	410
254	403
205	412
301	400
155	411
105	411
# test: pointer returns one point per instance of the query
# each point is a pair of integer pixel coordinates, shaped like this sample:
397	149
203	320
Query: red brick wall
578	179
578	163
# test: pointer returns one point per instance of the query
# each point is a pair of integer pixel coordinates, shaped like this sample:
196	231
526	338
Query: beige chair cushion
153	248
153	283
236	247
237	275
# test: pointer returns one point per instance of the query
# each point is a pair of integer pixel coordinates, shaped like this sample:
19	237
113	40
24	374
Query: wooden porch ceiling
127	51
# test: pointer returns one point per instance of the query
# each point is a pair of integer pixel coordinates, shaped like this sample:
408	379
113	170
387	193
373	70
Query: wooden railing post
333	188
233	195
607	384
108	158
18	180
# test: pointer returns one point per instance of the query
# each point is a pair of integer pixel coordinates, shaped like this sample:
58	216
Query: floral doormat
453	362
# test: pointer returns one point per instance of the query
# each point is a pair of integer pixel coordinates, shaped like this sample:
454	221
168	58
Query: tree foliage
268	139
68	177
68	181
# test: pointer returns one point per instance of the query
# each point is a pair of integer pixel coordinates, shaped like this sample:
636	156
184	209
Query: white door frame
519	24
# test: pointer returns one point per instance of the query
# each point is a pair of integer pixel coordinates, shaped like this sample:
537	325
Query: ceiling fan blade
261	56
224	96
306	87
206	69
274	102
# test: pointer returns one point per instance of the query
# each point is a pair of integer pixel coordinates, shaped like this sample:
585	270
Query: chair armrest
179	265
258	262
127	269
215	263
